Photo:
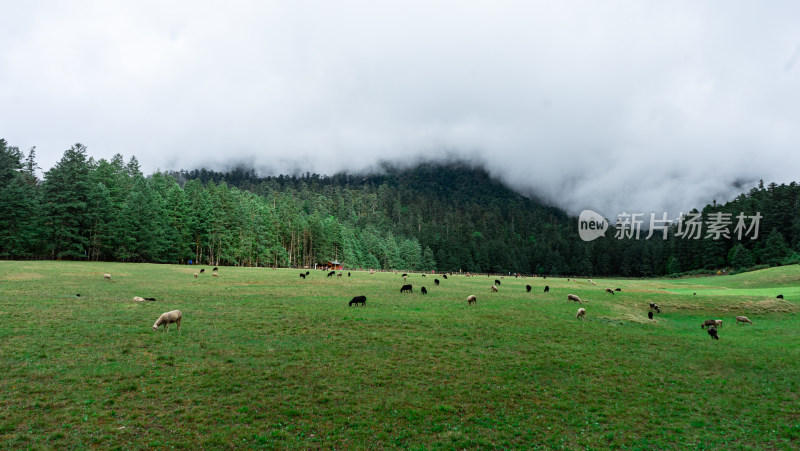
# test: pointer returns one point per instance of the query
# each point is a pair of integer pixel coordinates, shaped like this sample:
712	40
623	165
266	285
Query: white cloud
611	106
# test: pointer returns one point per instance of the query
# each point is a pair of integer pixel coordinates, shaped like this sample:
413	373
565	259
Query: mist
614	106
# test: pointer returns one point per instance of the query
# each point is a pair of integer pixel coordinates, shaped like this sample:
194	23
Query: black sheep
358	300
609	290
149	299
215	269
202	270
650	315
528	287
307	273
547	288
424	291
444	276
713	332
618	289
348	273
330	274
302	276
780	296
436	281
496	282
404	275
406	288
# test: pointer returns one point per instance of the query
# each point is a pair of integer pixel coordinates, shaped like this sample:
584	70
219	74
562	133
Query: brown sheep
574	297
742	319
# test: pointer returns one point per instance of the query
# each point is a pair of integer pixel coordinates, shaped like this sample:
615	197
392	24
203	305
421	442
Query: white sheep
574	297
138	299
718	322
195	275
494	288
215	274
107	276
581	313
472	299
168	318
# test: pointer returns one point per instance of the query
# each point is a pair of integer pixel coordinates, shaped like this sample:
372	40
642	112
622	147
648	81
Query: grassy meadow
265	359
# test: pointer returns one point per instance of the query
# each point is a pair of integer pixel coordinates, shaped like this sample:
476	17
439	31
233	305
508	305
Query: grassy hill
267	359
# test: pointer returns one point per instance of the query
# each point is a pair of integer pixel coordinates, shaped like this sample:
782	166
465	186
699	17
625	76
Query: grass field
265	359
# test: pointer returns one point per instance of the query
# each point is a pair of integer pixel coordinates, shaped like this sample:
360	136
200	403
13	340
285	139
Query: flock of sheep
175	316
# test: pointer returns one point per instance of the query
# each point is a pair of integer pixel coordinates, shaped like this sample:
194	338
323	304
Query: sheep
655	307
574	297
78	295
424	275
424	290
780	296
712	331
436	281
302	276
348	273
708	323
371	272
358	300
215	269
494	288
404	275
547	288
107	277
471	299
195	275
406	288
168	318
308	273
496	282
617	289
330	274
149	299
742	319
215	274
444	276
528	288
339	275
650	315
202	270
609	290
581	313
138	299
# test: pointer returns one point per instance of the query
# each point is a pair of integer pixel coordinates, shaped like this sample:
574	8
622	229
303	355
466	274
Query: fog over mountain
612	106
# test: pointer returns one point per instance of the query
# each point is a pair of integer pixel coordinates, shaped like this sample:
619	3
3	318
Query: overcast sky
608	105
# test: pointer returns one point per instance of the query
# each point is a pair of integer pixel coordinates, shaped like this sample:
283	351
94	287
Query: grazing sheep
574	297
494	288
444	276
718	322
358	300
618	289
302	276
471	299
424	290
348	273
339	275
496	282
712	331
330	274
215	274
404	275
650	315
195	275
742	319
528	288
107	277
308	273
168	318
708	323
581	313
202	270
371	271
149	299
424	275
78	295
780	296
609	290
215	269
655	307
407	288
138	299
436	281
547	288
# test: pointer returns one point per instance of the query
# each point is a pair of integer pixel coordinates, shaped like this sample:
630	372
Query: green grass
265	359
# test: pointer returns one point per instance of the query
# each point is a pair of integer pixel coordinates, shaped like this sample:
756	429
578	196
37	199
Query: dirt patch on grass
23	276
757	307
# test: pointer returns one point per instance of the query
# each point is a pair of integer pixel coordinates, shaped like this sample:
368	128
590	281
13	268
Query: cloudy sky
609	105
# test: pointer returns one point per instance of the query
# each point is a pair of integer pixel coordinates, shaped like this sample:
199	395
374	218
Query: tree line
442	217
